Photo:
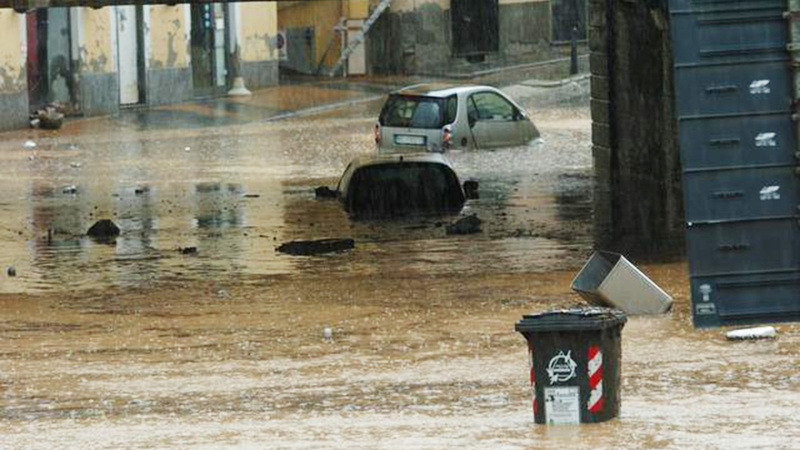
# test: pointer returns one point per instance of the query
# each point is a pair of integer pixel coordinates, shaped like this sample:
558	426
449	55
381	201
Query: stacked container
738	143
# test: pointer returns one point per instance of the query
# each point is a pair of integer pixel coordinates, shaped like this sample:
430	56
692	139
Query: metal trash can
574	359
608	279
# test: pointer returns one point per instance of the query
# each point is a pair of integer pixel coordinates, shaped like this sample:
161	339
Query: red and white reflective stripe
595	379
533	385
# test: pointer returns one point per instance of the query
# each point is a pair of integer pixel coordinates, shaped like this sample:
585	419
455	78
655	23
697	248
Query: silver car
439	118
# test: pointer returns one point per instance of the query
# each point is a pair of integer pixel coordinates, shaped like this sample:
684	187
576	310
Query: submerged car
439	118
398	185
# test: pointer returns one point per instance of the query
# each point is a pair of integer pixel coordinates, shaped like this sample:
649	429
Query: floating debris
71	189
327	333
467	225
752	334
29	144
11	271
609	279
103	229
317	247
49	118
188	250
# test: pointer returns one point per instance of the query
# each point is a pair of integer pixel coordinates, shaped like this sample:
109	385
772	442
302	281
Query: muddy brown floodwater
135	344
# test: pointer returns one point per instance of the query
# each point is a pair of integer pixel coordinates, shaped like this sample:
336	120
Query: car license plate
406	139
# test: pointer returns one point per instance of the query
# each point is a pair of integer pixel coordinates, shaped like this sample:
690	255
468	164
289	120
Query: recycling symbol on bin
561	367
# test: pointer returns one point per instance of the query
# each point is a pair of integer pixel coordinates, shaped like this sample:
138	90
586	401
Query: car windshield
403	188
413	112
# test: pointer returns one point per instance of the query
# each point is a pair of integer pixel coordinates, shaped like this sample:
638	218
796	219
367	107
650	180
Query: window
490	106
412	112
451	109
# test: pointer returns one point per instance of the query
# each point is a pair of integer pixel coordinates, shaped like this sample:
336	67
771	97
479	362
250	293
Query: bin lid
572	319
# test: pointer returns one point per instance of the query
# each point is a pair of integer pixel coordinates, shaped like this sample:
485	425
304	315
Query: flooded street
140	344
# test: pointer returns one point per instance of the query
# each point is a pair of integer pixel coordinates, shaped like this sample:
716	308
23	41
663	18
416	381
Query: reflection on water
235	193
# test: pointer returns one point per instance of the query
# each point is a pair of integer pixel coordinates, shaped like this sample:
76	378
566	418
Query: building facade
95	61
317	31
441	36
428	37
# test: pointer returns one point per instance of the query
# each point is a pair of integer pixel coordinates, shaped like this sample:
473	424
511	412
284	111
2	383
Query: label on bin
561	367
562	405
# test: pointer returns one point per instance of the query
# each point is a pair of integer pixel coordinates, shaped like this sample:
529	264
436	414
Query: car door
494	121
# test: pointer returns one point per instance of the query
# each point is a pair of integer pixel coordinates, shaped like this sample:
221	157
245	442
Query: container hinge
733	247
722	89
791	15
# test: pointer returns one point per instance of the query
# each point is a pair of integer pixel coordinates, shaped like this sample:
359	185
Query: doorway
568	14
131	55
209	58
50	68
476	27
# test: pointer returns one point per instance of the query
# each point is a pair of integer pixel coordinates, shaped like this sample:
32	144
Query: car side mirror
471	190
325	192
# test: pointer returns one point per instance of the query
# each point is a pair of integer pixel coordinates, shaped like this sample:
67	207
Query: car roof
375	160
427	157
439	89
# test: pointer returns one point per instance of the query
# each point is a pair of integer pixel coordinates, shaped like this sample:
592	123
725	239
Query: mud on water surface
137	344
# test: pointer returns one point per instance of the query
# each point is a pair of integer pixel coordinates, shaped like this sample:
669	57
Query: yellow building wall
323	16
411	5
12	75
168	44
96	51
512	2
357	9
259	28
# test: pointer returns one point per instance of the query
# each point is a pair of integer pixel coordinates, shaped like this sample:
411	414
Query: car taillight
447	137
377	133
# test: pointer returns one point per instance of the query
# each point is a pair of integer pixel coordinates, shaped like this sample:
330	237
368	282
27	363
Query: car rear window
413	112
404	188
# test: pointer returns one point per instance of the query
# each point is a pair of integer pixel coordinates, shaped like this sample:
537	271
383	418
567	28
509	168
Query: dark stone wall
171	85
99	93
638	196
259	74
420	41
524	28
13	110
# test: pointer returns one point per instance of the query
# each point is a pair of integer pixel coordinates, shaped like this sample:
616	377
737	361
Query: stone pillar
638	195
600	66
99	81
167	57
258	46
13	77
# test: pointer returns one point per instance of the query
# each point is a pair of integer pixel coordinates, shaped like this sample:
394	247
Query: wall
13	82
99	83
322	17
415	37
638	199
259	53
357	9
167	58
